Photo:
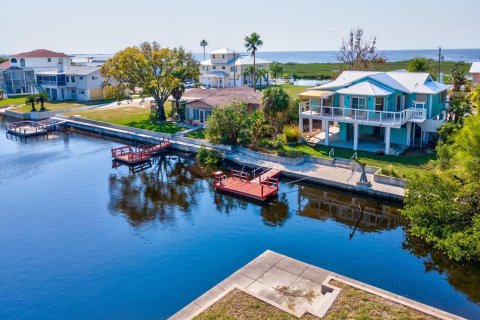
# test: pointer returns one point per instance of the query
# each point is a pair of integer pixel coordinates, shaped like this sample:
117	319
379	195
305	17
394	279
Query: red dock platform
260	188
134	155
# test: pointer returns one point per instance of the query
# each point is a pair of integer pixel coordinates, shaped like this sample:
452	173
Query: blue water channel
80	239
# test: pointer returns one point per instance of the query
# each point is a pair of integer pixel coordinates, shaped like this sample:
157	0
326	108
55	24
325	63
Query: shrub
290	153
291	134
208	157
270	144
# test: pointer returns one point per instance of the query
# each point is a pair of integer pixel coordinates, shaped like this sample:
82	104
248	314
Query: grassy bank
406	166
59	105
130	116
331	70
14	101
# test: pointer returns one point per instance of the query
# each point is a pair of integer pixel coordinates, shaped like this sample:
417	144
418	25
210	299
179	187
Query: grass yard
60	105
197	134
353	303
291	89
408	165
14	101
130	116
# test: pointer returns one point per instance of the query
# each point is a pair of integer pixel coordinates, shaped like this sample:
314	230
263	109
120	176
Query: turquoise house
375	111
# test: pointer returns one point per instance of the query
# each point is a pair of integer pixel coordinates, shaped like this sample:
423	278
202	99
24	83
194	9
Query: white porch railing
373	117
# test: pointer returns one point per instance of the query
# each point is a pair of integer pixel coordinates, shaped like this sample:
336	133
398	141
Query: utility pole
439	61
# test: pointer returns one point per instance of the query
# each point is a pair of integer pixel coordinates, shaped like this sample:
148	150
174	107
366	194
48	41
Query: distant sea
466	55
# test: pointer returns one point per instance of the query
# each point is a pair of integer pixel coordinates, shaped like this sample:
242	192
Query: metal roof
365	88
222	51
73	70
475	68
315	94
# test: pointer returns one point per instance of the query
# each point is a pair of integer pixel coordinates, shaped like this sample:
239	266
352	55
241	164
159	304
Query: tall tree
276	70
252	43
275	101
158	71
177	94
420	64
358	53
459	76
203	44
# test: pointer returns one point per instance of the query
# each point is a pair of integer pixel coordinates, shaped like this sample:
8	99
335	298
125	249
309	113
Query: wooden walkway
260	188
134	155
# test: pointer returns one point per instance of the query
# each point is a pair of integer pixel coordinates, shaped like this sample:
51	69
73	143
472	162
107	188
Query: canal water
80	239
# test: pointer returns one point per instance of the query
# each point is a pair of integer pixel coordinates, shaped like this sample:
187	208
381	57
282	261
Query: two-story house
82	83
475	72
227	68
376	111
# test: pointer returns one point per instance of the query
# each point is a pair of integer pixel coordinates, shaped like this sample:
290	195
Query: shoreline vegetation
326	71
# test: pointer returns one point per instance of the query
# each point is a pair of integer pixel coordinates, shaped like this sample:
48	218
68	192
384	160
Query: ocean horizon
465	55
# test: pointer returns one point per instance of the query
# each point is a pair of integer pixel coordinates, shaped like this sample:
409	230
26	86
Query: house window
223	56
399	103
73	91
359	103
223	67
443	96
196	114
80	78
13	60
73	79
94	77
379	104
214	67
22	63
213	56
231	69
68	79
82	91
49	59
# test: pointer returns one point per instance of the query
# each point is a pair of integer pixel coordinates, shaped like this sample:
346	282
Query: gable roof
365	88
401	80
475	68
248	60
219	97
222	51
41	53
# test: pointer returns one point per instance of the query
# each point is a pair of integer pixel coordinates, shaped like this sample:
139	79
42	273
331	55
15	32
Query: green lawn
131	116
408	165
197	134
291	89
16	101
331	70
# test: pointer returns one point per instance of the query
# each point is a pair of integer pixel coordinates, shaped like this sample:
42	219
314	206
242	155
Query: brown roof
223	96
41	53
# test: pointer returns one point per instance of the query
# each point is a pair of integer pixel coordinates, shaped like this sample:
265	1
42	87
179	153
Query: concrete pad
277	277
291	265
186	313
315	274
264	291
238	279
270	257
255	269
307	285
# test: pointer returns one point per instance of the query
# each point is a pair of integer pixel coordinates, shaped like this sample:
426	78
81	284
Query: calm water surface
82	240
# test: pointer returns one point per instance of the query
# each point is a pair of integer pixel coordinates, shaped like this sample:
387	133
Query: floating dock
239	183
134	155
28	129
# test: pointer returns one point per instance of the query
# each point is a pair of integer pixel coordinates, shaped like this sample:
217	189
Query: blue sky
106	26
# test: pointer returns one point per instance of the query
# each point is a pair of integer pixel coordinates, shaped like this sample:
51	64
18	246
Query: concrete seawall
338	173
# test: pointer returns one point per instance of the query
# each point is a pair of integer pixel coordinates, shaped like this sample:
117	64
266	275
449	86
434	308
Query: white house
40	59
82	83
227	68
475	72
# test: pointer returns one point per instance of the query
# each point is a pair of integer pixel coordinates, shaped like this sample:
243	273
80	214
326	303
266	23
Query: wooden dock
134	155
27	129
239	183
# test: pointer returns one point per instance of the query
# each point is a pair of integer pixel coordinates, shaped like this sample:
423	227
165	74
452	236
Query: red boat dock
134	155
260	188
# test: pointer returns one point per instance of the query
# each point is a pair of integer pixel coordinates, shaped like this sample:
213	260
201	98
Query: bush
208	157
270	144
225	125
290	153
291	134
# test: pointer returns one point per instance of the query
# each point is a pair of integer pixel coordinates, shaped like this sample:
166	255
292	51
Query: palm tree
458	109
262	74
276	70
203	44
2	93
42	98
474	96
31	100
247	72
177	95
252	43
419	64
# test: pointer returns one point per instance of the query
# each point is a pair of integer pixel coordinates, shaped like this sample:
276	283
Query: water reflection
362	214
153	194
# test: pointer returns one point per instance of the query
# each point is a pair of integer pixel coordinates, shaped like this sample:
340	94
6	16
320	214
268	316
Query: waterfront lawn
197	134
60	105
14	101
292	90
408	165
130	116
